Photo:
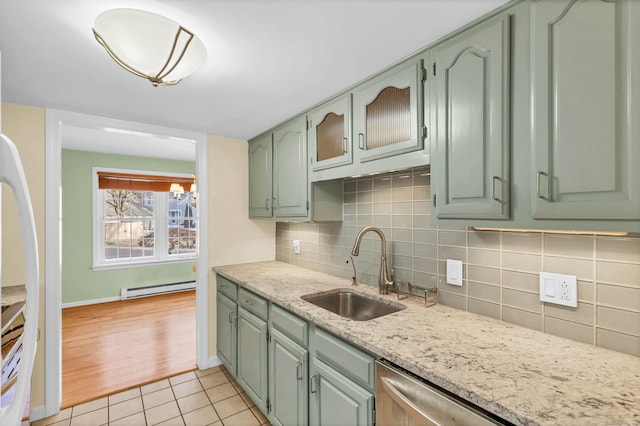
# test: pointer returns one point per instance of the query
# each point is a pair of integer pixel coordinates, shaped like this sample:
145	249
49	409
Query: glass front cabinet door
330	134
388	113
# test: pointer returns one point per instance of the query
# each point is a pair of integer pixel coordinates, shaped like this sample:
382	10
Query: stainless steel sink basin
352	305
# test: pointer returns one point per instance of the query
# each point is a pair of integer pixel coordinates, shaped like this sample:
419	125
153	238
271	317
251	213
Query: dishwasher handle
410	408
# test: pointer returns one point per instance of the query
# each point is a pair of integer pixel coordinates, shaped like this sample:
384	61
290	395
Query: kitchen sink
352	305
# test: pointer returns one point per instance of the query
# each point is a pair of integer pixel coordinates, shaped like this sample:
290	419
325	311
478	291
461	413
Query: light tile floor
196	398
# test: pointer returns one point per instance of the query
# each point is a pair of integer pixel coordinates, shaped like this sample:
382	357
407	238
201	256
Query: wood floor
115	346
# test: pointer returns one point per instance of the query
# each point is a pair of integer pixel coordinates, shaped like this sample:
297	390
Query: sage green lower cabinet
296	373
226	323
341	383
288	381
226	316
252	357
337	400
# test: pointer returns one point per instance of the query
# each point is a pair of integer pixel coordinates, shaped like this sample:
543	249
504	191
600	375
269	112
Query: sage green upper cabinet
330	134
388	113
471	159
260	177
586	88
290	169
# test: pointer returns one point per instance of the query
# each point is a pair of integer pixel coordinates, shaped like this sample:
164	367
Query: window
139	221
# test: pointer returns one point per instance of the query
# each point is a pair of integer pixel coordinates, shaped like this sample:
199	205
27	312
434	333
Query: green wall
79	281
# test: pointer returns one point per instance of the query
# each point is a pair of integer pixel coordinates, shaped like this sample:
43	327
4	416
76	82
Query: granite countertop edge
522	375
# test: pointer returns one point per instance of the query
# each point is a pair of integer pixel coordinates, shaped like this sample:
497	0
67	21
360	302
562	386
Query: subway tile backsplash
500	267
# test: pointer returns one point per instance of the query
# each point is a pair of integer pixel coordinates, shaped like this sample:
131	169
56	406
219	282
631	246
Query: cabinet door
330	134
288	381
260	177
388	113
335	400
252	357
226	313
586	80
471	164
290	169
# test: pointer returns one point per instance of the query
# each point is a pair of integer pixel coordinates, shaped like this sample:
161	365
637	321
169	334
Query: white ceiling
268	59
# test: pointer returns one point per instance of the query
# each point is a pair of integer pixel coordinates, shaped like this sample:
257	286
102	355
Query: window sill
138	264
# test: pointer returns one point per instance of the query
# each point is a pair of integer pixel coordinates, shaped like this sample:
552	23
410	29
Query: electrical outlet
296	246
559	288
565	294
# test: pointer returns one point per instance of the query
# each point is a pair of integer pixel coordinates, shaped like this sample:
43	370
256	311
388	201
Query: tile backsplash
500	268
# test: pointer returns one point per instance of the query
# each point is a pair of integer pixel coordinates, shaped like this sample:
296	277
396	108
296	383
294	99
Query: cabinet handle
495	198
361	140
299	370
231	317
344	145
266	204
248	302
313	388
538	186
275	205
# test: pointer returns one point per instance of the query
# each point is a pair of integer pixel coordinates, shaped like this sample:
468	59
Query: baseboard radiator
153	290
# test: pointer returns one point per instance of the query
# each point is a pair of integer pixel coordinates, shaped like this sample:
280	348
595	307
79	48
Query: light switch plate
454	272
559	288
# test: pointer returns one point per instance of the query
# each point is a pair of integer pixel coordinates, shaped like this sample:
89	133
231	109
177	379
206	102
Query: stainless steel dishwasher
405	400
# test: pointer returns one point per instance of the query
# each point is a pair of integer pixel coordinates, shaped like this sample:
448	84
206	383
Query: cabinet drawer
253	303
290	325
228	288
351	361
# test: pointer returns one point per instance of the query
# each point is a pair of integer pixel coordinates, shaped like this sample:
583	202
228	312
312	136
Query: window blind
138	182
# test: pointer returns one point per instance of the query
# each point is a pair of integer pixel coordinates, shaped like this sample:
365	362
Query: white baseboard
214	361
36	413
90	302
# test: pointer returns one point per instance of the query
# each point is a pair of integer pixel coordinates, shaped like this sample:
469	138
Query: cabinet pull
266	204
248	302
299	370
493	184
344	145
538	186
231	317
361	140
313	386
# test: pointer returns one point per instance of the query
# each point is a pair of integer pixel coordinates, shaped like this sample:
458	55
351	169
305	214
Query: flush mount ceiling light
149	45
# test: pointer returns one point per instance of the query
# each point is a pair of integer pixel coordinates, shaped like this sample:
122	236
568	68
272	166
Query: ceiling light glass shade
149	45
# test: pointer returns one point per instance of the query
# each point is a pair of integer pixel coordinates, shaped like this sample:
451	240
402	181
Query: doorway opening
63	130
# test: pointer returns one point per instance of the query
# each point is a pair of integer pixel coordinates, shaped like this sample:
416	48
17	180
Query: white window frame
161	199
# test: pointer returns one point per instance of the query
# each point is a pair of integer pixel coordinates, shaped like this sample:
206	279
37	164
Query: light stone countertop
524	376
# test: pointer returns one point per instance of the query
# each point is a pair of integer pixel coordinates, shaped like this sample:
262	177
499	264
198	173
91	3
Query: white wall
233	237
